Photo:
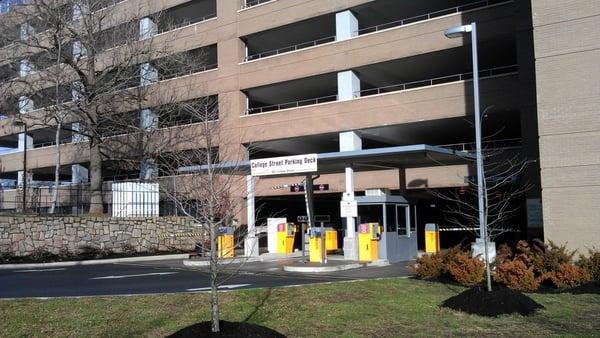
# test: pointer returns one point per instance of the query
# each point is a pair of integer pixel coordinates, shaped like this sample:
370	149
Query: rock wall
21	235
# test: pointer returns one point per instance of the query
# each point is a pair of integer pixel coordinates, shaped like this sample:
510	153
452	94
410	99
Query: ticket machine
369	235
285	237
225	243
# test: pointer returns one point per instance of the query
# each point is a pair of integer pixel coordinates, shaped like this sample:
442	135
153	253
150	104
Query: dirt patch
501	300
228	329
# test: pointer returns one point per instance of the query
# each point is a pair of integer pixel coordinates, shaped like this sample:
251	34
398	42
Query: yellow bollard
432	238
315	246
331	240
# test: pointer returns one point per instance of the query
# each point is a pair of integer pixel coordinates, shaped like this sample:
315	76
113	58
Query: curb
93	262
238	260
310	269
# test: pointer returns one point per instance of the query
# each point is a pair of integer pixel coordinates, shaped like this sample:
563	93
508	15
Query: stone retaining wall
21	235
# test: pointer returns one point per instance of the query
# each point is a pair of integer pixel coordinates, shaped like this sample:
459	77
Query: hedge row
524	267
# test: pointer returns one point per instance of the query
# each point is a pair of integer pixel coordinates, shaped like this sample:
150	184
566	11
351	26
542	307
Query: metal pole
480	182
25	168
480	174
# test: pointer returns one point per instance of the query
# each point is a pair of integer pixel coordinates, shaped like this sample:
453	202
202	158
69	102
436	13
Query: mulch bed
228	329
477	300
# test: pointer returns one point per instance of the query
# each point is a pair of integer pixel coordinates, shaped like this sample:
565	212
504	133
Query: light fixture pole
456	32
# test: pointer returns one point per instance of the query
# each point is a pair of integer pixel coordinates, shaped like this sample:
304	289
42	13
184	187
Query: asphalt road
164	277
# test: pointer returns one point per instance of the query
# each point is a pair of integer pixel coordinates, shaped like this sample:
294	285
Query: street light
24	125
456	32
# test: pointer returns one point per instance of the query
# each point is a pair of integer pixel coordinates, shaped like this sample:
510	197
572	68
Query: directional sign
316	187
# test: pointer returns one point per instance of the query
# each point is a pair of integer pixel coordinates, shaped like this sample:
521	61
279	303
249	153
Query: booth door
400	236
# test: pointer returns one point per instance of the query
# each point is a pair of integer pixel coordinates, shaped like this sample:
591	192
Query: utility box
225	243
432	238
368	238
286	232
317	255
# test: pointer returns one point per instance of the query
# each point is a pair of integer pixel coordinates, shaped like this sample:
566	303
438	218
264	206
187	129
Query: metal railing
252	3
387	89
431	15
289	48
186	23
294	104
435	81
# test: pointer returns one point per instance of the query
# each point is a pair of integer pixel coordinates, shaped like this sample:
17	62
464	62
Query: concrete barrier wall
21	235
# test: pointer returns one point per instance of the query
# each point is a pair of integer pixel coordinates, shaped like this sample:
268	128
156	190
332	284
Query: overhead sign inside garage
284	165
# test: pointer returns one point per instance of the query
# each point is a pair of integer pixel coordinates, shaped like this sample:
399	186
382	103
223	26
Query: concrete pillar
25	105
20	175
346	25
77	91
26	31
148	74
25	68
79	174
148	28
350	141
79	50
148	119
348	85
251	242
76	137
25	139
148	122
80	8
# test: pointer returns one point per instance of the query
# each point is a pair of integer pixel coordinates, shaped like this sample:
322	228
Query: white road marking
230	286
40	270
138	275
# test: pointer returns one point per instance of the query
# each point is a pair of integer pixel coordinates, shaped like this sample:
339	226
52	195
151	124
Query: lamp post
24	125
456	32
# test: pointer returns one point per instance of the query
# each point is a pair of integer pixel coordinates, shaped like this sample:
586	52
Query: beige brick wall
567	49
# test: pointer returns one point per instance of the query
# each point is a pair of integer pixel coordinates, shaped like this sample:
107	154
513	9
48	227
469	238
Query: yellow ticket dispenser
286	232
331	239
432	238
225	243
368	238
316	246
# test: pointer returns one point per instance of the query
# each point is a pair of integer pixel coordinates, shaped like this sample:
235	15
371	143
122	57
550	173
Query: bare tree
503	187
98	57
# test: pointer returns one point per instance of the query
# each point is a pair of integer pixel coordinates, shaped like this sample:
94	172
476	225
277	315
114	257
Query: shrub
516	275
129	250
428	266
591	263
568	276
503	254
548	258
40	254
448	256
466	270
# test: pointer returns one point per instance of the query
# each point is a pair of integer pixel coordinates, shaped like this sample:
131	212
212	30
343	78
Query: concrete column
148	74
79	50
348	85
76	137
80	8
25	68
25	139
148	122
25	105
20	175
346	25
350	141
26	31
148	28
148	119
77	91
79	174
251	242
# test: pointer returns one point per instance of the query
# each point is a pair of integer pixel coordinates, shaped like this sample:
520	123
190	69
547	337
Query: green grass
378	308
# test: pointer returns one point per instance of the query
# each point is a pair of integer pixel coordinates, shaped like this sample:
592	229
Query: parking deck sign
284	165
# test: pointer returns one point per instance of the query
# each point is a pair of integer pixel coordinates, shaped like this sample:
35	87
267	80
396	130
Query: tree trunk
214	293
96	199
56	170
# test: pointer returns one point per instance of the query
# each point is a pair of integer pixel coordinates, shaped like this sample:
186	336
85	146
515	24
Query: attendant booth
398	237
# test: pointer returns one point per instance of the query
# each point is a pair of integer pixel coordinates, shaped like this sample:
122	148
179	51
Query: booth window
413	219
402	224
370	214
390	218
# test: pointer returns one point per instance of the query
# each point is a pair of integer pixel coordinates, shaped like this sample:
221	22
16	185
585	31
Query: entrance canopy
412	156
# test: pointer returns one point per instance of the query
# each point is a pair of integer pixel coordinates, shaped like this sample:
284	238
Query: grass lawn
390	307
